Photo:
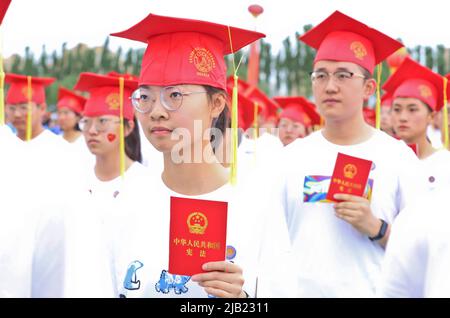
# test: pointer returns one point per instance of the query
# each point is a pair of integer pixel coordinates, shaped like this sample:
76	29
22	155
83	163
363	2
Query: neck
194	178
107	167
347	132
71	135
425	149
35	131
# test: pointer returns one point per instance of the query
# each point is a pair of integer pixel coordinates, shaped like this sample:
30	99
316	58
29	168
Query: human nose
158	111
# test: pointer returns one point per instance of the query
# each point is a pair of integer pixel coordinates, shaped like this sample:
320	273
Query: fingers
221	289
222	266
349	198
223	279
220	276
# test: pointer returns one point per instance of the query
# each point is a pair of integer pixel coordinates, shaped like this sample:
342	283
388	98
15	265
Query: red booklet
350	176
198	233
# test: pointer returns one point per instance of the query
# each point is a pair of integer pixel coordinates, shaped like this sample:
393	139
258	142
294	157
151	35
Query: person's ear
219	102
370	86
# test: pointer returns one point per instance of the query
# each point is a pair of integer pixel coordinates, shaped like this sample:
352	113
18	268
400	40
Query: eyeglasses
23	109
340	77
171	98
101	124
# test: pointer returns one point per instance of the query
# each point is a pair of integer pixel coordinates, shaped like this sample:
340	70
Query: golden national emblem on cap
359	50
113	101
203	61
425	91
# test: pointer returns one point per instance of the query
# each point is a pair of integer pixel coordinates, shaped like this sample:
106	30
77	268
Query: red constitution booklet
350	176
198	233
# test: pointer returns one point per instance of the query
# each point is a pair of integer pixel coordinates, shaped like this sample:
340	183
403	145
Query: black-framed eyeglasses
171	98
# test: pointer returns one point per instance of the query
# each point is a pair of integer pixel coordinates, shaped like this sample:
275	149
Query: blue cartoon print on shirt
131	282
168	281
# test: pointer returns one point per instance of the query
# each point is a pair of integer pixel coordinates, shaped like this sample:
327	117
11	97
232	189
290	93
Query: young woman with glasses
181	97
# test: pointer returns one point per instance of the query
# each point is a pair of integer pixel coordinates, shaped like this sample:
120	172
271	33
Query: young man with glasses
339	243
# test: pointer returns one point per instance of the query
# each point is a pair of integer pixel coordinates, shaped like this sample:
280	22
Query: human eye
319	75
175	94
103	121
343	75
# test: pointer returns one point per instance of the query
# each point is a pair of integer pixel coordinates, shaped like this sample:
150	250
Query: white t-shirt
7	136
88	224
435	136
436	170
31	230
417	260
257	241
84	158
333	259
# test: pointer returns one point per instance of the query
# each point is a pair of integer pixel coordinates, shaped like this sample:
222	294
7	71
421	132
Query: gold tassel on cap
234	118
2	85
30	100
378	105
122	129
445	114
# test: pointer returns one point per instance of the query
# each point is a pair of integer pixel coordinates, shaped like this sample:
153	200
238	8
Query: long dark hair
223	121
133	142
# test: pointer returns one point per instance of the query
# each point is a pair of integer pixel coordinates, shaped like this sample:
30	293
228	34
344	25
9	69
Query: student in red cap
70	106
386	120
339	245
112	174
297	117
418	254
182	91
17	106
418	94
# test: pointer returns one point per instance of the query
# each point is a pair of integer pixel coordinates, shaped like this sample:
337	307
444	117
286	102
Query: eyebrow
408	105
339	69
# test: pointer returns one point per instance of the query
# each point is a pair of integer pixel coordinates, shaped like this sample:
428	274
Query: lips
331	101
92	141
160	131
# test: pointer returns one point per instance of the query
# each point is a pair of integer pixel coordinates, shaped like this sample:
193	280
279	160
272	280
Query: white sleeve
275	259
403	269
49	254
411	185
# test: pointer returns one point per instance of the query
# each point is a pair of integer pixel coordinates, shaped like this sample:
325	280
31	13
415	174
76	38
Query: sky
36	23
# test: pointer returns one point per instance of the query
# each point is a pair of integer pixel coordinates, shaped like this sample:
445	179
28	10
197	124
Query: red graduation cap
4	4
186	51
68	99
18	90
386	100
342	38
369	115
105	95
125	76
298	109
269	108
417	81
448	86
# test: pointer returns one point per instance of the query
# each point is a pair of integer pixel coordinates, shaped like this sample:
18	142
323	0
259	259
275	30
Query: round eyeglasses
171	98
101	124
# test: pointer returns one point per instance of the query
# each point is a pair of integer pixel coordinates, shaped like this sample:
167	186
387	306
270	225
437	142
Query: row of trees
283	73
